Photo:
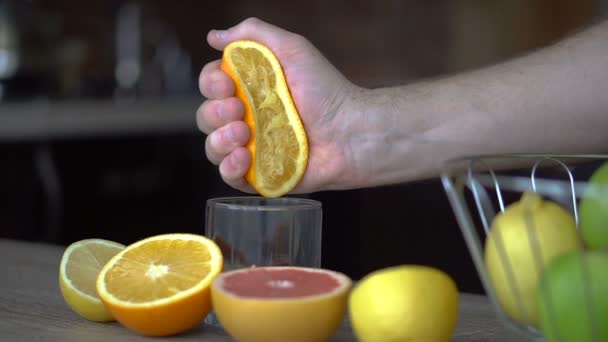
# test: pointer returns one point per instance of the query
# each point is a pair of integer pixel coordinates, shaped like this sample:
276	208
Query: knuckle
202	120
210	151
252	22
232	110
205	87
299	39
217	140
201	84
204	78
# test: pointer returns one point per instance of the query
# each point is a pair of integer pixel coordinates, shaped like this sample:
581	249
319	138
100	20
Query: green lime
593	211
573	298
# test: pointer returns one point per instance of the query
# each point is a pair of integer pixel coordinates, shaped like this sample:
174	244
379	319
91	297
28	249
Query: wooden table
32	309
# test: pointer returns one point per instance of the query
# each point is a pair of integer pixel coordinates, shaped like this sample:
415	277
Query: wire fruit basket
480	190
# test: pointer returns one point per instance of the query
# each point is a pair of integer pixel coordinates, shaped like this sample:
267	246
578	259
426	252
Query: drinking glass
258	231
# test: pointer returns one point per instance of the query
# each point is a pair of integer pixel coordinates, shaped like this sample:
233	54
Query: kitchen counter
44	120
32	309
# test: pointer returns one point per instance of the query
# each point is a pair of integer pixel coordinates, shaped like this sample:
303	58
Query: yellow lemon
522	241
80	265
404	303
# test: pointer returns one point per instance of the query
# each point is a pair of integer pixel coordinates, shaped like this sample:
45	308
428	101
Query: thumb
252	29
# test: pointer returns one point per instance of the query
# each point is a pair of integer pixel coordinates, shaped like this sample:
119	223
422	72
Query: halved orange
280	303
80	265
278	142
159	286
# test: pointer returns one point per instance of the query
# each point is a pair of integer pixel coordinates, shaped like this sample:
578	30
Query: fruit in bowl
573	298
593	210
280	303
522	241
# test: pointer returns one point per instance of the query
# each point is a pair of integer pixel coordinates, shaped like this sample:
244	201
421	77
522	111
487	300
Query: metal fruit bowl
480	187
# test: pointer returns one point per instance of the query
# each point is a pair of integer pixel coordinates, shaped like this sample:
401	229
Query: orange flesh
279	283
142	275
260	84
275	145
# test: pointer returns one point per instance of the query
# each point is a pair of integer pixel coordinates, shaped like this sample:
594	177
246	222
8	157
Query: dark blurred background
98	98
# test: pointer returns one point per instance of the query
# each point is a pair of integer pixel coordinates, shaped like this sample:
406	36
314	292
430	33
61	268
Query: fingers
253	29
214	83
227	136
213	114
220	115
233	169
226	139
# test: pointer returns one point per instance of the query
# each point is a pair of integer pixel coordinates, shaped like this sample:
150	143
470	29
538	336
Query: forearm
552	101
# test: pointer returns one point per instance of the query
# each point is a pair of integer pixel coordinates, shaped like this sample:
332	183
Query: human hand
321	94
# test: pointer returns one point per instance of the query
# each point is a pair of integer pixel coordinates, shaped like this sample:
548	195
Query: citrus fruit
593	211
159	286
280	303
80	265
572	299
404	303
278	142
522	241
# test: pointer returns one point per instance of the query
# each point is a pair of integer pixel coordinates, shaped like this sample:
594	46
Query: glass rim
272	204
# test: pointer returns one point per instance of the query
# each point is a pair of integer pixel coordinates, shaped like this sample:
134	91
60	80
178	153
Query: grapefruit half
280	303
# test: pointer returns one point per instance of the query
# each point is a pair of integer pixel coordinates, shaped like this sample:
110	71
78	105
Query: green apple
573	298
593	212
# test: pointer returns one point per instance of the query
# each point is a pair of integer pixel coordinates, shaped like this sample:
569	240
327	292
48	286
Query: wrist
380	131
407	133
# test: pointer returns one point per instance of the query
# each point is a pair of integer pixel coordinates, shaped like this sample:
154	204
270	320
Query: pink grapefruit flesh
280	303
280	283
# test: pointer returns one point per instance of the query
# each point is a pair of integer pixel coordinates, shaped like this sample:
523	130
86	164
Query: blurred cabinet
374	43
128	188
484	32
121	188
20	195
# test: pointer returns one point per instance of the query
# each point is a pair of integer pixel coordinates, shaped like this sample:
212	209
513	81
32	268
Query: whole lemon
522	240
572	298
593	212
404	303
